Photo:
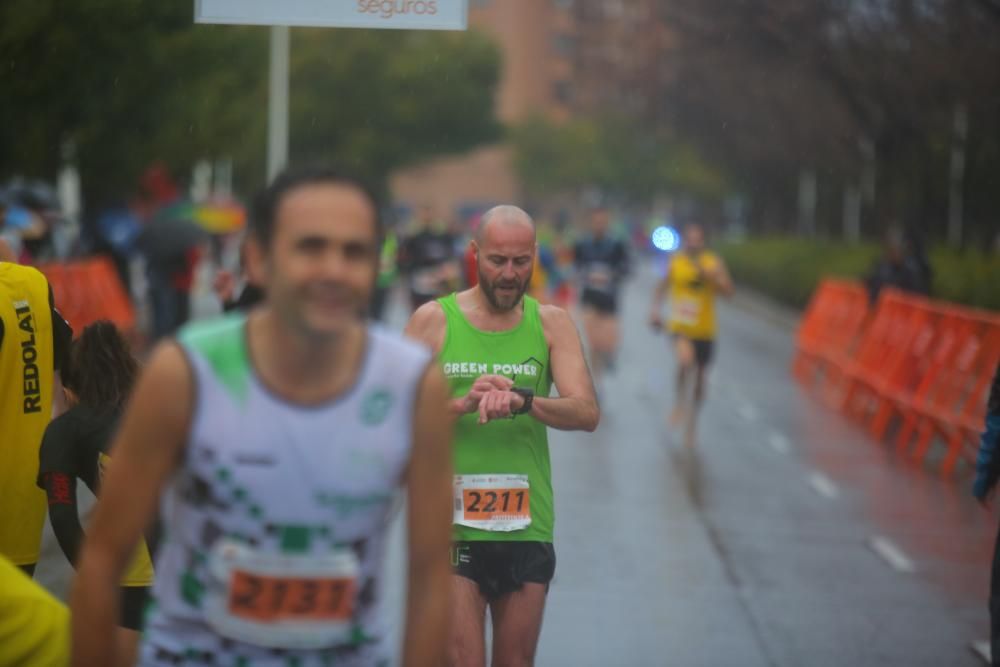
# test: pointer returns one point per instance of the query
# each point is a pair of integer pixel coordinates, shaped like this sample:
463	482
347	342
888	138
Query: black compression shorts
500	568
704	350
602	302
133	606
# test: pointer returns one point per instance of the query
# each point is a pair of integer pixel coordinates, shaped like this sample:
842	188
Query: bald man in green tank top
502	351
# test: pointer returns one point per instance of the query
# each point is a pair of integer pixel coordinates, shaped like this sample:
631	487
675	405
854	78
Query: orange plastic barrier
88	290
832	324
920	365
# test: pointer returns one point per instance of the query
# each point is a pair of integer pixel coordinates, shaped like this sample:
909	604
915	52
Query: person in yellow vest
694	277
34	339
34	625
98	379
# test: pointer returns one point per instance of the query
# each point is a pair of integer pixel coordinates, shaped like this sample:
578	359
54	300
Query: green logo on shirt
375	407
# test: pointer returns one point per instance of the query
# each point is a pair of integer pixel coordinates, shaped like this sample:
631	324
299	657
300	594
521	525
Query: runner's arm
576	407
720	276
57	472
64	514
429	480
146	452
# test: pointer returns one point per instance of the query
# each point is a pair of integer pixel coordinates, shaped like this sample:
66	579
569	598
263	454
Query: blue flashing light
666	239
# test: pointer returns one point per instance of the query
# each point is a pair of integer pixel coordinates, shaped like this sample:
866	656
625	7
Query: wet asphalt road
758	550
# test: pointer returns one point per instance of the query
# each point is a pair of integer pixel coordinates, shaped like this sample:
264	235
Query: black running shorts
704	350
500	568
602	302
133	602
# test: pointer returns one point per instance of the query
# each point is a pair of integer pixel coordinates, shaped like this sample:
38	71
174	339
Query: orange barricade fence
832	324
913	369
87	290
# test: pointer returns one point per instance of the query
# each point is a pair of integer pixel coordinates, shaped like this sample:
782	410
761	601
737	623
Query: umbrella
220	217
165	239
35	195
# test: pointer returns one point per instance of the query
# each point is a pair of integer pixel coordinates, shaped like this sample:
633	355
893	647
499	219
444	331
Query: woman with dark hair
98	379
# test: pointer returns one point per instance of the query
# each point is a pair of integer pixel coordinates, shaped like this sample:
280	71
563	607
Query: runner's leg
613	334
517	623
467	644
684	355
591	329
697	397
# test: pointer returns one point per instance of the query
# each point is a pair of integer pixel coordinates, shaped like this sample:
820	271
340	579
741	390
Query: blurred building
559	58
622	55
537	43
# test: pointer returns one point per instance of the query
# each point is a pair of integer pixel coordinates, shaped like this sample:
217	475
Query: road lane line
823	485
892	554
779	443
982	649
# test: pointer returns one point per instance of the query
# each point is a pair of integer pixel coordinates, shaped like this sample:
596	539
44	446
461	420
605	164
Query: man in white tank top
273	445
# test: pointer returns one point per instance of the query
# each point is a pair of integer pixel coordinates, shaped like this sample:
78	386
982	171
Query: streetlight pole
277	105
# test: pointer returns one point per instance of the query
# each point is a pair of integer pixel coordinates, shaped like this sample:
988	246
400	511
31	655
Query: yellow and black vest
26	379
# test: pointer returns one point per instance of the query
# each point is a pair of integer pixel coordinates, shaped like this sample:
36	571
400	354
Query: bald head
506	217
505	255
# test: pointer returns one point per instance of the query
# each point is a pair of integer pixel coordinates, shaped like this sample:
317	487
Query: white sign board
399	14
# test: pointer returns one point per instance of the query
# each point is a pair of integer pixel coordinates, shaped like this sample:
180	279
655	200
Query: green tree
127	82
622	159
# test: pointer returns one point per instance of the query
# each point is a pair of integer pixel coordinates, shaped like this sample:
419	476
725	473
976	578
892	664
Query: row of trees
828	115
117	84
896	102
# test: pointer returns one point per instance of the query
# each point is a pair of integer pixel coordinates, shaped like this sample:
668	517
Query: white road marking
982	649
823	485
892	554
747	412
779	443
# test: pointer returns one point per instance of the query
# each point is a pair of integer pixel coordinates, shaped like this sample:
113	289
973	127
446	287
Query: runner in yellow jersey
693	279
33	340
34	626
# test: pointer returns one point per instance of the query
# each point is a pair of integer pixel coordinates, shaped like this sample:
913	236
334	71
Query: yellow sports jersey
692	296
26	377
34	626
140	568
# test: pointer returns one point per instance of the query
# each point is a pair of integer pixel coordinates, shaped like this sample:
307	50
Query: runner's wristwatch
529	397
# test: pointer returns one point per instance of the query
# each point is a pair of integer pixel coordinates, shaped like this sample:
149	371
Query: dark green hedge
789	269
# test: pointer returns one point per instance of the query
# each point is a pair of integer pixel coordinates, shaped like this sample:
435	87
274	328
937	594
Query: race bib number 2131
282	601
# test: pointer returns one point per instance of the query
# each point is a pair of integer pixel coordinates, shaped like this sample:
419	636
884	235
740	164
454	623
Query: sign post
281	14
277	102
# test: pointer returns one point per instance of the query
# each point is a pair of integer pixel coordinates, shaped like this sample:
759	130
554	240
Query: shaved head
505	255
503	216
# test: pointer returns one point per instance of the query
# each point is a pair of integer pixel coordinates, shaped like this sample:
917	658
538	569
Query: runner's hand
497	404
483	385
224	285
656	322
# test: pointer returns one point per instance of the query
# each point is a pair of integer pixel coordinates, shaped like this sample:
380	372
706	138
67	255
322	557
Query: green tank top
517	446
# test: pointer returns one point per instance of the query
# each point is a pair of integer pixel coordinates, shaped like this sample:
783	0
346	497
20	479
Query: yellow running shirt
34	626
140	568
692	297
26	377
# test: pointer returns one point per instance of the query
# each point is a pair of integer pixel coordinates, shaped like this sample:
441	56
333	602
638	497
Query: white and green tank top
503	478
274	522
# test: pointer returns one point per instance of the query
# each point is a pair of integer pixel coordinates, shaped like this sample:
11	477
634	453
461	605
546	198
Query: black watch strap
529	398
